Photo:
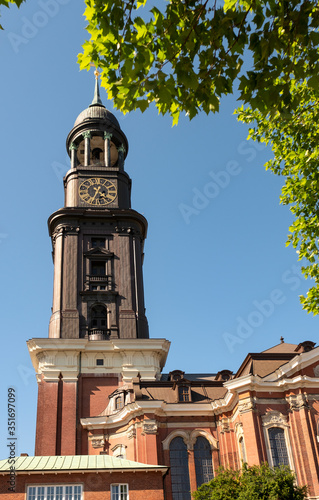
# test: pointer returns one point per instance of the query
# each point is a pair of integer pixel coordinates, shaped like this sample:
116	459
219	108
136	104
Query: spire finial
96	99
281	340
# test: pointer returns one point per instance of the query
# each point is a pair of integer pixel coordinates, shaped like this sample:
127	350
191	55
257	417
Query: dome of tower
96	120
96	111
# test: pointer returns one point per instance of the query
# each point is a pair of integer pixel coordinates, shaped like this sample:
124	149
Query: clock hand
96	192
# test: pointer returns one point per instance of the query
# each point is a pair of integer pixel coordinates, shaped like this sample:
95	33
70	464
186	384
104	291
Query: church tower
98	333
97	238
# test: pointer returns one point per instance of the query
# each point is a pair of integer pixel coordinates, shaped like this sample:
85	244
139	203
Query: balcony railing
104	280
99	334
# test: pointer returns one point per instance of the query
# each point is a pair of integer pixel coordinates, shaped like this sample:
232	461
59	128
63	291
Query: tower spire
96	99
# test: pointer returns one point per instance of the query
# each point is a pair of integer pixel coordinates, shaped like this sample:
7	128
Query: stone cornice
296	364
129	357
133	410
256	383
67	214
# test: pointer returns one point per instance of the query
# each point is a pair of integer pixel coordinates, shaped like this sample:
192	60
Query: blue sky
219	281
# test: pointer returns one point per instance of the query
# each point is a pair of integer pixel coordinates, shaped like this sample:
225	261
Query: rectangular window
98	242
98	268
52	492
183	393
119	491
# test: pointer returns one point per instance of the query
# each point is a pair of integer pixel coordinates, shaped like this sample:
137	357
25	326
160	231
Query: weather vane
96	72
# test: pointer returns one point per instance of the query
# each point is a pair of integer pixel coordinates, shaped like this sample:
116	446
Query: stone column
87	137
107	148
55	321
73	149
121	152
70	313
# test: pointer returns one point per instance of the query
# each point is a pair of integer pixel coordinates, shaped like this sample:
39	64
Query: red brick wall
95	391
47	418
148	485
68	420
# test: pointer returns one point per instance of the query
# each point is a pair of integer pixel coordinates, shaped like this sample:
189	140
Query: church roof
75	463
282	347
201	394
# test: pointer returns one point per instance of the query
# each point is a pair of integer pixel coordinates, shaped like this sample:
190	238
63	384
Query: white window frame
276	419
119	495
240	438
47	495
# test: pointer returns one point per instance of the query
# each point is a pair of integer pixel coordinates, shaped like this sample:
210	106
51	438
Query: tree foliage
295	144
7	3
184	55
188	54
252	483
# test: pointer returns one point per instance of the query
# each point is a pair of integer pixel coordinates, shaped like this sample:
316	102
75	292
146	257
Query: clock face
97	191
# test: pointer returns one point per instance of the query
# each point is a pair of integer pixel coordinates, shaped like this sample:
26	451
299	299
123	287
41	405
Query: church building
111	425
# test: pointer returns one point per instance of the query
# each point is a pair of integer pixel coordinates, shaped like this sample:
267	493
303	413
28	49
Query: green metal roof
75	463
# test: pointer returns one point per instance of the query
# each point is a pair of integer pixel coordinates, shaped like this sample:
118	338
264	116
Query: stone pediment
99	252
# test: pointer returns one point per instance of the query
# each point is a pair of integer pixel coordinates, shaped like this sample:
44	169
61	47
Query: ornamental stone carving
274	418
297	402
98	441
225	427
246	405
131	432
149	426
239	430
316	371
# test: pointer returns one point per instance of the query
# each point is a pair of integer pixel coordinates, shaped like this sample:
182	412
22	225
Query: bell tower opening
98	325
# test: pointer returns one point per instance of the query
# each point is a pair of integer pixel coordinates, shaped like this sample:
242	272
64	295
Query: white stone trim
178	433
129	357
201	432
173	425
299	362
189	438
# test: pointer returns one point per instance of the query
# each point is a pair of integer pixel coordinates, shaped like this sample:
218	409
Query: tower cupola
97	138
97	145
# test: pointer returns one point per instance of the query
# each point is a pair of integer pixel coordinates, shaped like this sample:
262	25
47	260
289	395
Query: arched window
278	446
99	318
97	154
179	469
203	461
242	448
